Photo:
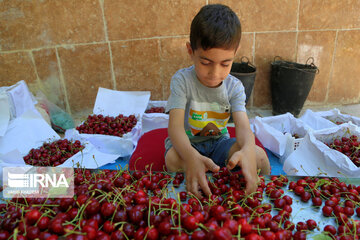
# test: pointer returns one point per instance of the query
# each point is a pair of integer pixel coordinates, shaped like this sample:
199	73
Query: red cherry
338	209
198	235
190	223
327	211
56	226
183	196
274	226
108	227
299	235
330	229
140	234
90	232
92	208
43	235
299	190
348	211
259	222
358	211
4	235
222	234
128	229
342	218
199	216
288	199
107	209
311	224
32	232
349	203
32	216
289	225
279	203
164	228
317	201
152	233
292	185
92	223
275	194
135	215
330	203
287	208
232	225
182	236
117	235
305	196
334	199
43	223
301	182
246	228
301	226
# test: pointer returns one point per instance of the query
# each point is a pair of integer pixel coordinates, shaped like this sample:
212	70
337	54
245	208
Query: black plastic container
290	85
245	72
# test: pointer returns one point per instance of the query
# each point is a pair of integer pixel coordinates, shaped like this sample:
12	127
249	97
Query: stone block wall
69	48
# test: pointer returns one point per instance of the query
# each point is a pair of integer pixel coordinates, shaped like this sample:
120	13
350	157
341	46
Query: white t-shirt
205	107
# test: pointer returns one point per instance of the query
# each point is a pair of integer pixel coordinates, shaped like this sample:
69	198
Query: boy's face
212	66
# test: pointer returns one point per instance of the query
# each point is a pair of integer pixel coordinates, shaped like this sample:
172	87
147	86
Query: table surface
301	211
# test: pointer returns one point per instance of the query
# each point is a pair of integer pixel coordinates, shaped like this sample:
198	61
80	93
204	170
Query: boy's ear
189	49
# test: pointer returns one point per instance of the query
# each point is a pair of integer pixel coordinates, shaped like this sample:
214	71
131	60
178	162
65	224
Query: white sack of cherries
110	134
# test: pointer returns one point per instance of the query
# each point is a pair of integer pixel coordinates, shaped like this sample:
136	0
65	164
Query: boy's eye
226	63
205	63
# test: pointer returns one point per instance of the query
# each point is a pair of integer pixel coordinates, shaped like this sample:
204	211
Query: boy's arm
246	157
195	165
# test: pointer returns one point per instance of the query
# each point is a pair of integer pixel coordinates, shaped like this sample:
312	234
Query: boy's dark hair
215	26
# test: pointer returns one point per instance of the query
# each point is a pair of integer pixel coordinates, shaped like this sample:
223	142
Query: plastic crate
292	144
297	142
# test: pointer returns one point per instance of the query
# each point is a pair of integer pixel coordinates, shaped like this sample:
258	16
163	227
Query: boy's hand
195	173
247	162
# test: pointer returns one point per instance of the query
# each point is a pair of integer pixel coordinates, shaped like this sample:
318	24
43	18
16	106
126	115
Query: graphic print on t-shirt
208	119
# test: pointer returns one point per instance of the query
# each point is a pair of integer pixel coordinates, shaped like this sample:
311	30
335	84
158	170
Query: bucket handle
312	64
277	57
312	61
247	61
293	67
307	63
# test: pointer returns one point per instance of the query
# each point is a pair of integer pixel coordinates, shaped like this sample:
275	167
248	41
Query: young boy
201	100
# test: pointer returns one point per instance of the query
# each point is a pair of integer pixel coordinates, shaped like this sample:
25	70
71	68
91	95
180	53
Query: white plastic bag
120	146
15	100
276	133
10	159
59	119
89	157
112	103
20	98
151	121
315	158
316	122
26	132
4	113
337	117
